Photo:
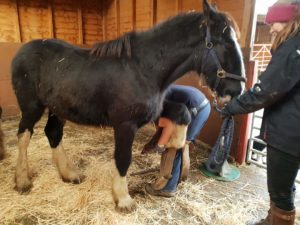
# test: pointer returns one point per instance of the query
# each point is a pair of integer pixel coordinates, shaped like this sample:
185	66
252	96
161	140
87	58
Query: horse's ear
214	5
209	10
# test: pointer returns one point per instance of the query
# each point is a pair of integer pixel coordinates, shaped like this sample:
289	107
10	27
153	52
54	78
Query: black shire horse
119	83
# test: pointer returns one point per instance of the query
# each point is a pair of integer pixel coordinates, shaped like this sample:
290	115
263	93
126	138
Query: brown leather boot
278	216
265	221
282	217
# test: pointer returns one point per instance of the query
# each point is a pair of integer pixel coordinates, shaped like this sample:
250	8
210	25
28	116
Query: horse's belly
81	114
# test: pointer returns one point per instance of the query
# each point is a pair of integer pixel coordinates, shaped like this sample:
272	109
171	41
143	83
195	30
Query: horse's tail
2	152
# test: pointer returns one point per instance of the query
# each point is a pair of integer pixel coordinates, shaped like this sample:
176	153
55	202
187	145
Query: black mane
113	48
180	20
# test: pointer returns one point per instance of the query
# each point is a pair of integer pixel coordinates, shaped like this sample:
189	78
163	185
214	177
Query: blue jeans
194	129
197	123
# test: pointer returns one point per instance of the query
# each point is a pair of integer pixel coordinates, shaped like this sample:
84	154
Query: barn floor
199	200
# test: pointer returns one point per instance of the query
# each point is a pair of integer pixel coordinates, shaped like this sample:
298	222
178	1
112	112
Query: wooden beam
248	15
178	6
51	19
117	8
250	6
79	21
153	12
133	24
18	23
103	20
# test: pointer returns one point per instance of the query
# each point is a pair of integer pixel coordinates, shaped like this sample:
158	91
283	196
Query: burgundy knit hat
281	12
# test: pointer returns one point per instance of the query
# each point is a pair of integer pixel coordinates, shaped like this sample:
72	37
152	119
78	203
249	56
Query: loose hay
51	201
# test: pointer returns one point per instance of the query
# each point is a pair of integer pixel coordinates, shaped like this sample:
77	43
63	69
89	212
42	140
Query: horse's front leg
124	135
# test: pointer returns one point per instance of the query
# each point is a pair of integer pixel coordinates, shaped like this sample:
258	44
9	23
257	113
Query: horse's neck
168	55
166	64
180	68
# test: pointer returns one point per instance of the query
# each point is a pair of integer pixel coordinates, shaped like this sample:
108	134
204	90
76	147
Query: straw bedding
51	201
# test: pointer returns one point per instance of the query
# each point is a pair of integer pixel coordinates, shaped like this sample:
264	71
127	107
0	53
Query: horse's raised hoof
23	185
126	205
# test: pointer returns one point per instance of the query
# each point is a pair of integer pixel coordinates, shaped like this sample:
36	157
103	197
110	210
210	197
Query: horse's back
78	86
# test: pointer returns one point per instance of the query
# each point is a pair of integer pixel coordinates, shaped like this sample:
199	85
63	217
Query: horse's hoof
74	179
2	156
127	205
24	186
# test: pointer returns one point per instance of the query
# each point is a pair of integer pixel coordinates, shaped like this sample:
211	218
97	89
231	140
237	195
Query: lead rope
221	149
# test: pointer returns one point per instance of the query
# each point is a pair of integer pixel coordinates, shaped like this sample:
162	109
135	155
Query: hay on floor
51	201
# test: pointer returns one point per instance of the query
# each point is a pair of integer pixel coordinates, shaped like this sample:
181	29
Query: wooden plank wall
85	22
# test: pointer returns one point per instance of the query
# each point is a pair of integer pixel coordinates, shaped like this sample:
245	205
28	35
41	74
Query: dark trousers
282	169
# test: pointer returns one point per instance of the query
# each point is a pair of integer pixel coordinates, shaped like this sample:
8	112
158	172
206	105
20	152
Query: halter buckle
221	73
209	45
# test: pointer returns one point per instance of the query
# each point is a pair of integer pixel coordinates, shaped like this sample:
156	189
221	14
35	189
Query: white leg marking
120	194
23	182
65	167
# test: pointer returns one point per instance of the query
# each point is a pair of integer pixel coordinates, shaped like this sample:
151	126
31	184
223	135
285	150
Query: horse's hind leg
54	133
30	116
124	135
2	152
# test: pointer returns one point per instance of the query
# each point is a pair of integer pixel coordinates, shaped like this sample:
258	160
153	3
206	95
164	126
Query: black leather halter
221	73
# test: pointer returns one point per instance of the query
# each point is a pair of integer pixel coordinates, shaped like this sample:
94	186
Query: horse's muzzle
224	100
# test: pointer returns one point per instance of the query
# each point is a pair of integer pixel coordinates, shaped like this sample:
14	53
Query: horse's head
221	60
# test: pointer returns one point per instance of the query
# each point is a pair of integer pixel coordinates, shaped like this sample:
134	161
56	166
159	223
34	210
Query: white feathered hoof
126	205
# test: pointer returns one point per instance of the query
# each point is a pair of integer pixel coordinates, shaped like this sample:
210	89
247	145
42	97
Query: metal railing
262	54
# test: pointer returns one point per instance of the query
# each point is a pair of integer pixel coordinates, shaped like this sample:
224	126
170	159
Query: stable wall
89	21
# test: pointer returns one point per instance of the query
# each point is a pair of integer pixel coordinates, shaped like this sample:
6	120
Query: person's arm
281	75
